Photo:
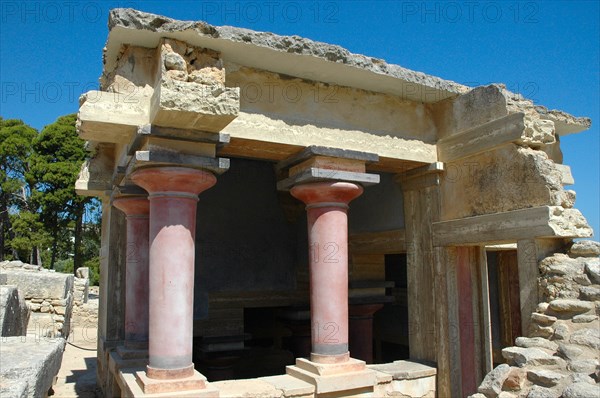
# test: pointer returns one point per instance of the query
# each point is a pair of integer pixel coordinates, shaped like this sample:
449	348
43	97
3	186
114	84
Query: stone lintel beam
218	139
111	117
387	242
537	222
513	128
481	138
421	177
169	158
266	137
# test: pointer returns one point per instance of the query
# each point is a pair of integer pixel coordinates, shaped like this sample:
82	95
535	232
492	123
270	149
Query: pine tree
57	156
16	140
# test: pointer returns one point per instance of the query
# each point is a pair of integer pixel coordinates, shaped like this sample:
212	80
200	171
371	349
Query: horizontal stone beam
168	158
315	150
482	138
186	135
384	242
421	177
111	117
315	174
537	222
264	137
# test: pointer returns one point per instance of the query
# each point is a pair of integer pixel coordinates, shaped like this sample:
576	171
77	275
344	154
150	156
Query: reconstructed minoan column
327	206
173	195
136	210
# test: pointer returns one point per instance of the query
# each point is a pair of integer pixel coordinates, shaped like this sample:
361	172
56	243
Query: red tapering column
327	206
136	210
173	195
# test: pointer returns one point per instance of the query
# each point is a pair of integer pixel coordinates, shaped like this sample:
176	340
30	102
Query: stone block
544	378
401	370
335	379
589	337
155	386
83	272
130	387
581	390
528	342
492	383
518	356
194	106
591	293
585	248
568	305
421	387
290	386
49	285
515	380
14	313
31	362
592	267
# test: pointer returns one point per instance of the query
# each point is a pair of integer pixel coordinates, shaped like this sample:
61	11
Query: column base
197	383
130	387
350	375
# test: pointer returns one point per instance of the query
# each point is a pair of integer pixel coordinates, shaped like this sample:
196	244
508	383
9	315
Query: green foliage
94	265
65	265
41	215
29	233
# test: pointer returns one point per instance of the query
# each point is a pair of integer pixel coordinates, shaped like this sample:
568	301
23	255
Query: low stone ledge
290	386
400	378
409	379
29	367
405	370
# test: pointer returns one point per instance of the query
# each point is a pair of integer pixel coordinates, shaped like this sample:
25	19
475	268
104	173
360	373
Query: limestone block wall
50	296
560	356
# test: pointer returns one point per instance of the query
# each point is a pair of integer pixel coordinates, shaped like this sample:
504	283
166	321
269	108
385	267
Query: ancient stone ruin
35	320
284	218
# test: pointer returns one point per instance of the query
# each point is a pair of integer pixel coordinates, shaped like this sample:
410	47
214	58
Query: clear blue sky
51	51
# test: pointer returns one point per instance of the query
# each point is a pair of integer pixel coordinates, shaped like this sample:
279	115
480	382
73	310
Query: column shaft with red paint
136	210
327	206
173	196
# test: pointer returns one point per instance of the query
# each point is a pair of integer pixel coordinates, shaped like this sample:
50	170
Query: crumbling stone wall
560	357
50	296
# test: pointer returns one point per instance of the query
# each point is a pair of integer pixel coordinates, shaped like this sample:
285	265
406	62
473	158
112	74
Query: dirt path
77	374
